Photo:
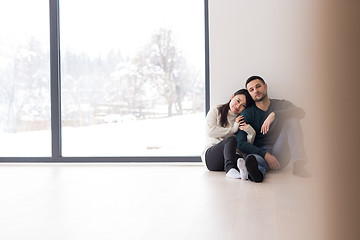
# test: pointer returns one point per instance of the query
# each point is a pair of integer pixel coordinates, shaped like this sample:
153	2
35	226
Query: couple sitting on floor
252	134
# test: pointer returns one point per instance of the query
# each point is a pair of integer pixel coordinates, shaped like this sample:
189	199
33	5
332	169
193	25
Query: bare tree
166	63
24	86
126	87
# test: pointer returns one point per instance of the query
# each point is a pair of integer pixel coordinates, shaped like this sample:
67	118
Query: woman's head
239	101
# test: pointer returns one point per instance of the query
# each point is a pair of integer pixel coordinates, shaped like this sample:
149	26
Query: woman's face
238	103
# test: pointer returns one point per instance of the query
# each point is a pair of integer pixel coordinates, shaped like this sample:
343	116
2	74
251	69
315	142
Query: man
278	133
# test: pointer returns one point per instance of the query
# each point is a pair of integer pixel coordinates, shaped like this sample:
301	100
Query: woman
222	123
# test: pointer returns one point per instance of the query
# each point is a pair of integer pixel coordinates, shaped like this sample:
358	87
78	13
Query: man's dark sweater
255	117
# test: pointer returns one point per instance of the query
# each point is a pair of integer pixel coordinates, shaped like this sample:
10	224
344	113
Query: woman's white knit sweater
216	133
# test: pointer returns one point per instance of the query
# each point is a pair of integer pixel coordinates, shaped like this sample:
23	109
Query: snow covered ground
174	136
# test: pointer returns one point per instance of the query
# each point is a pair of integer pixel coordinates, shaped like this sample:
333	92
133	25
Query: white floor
149	201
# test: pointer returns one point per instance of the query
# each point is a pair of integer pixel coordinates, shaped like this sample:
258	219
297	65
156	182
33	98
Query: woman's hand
240	120
268	121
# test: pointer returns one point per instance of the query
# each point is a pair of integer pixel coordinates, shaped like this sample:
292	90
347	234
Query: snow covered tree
166	69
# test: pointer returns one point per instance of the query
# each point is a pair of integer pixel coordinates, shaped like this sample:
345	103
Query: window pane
132	77
24	81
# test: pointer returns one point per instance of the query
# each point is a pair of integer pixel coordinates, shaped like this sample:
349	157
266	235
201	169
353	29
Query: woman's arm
215	130
250	131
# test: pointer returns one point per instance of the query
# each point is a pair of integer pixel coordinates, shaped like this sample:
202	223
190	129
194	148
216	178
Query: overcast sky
96	27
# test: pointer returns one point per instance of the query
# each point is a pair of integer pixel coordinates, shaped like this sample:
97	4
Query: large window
24	79
110	80
132	77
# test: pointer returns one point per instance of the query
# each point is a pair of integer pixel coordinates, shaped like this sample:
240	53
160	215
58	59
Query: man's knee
292	123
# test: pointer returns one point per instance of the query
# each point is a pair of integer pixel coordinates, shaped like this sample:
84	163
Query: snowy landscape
172	136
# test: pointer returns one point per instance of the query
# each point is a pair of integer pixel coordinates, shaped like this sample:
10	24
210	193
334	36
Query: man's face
257	90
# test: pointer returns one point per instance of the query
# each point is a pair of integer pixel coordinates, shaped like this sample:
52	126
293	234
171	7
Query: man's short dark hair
254	78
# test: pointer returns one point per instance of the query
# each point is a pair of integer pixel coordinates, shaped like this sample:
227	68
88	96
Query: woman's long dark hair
224	108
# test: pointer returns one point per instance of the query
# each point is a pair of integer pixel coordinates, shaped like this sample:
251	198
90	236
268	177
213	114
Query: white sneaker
233	173
242	168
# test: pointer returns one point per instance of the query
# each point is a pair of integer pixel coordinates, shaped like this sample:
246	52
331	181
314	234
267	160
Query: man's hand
272	161
268	121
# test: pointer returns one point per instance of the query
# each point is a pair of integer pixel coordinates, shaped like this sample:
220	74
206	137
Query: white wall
279	40
274	39
308	52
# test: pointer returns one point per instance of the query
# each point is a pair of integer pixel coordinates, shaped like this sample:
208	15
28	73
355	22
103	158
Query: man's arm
241	137
285	109
246	147
281	109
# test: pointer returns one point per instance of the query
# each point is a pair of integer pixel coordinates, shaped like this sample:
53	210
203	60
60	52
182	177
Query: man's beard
260	99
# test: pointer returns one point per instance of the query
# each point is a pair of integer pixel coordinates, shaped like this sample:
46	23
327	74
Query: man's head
257	88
